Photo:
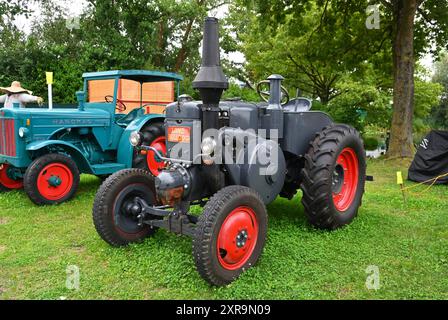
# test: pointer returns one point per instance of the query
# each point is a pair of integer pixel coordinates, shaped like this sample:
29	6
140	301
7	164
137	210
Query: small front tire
113	221
51	179
230	234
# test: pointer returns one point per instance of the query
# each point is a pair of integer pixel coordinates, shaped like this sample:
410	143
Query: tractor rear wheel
154	136
114	219
51	179
333	177
230	234
7	183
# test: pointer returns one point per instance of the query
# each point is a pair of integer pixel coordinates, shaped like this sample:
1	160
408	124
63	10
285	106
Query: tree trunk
401	142
181	56
161	45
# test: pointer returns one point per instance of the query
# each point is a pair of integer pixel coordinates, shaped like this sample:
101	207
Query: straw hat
15	87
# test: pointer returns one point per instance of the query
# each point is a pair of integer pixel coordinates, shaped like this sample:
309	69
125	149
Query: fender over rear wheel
113	217
51	179
333	177
230	234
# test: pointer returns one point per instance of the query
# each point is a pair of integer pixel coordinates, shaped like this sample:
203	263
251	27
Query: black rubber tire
209	224
150	133
104	205
103	177
3	188
33	171
317	175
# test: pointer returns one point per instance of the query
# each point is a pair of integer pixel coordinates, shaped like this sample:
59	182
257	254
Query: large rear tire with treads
333	178
154	136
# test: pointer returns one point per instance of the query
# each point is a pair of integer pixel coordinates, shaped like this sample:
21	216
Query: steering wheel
265	94
121	107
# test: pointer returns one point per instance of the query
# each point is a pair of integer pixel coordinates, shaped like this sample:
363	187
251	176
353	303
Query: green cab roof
136	75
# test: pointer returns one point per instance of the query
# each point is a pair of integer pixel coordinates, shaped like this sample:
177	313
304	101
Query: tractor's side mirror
81	96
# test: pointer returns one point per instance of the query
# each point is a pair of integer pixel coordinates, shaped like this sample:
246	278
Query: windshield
154	96
99	90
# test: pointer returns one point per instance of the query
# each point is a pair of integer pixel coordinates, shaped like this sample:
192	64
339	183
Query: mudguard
81	161
125	149
300	128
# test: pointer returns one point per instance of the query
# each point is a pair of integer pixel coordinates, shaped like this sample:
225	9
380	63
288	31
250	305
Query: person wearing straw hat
16	94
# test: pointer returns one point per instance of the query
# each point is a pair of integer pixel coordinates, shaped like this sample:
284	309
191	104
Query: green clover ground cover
407	242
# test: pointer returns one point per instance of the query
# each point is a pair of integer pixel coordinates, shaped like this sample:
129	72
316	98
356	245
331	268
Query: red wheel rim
155	164
55	181
237	238
6	181
345	194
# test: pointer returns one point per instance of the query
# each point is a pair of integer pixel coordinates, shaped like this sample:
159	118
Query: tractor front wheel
7	183
114	214
333	178
51	179
230	234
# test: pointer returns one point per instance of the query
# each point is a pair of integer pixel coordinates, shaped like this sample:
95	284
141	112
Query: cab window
100	90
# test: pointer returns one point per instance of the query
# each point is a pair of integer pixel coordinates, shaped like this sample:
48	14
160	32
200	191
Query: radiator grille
7	138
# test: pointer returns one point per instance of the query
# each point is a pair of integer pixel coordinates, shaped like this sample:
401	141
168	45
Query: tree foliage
327	39
439	113
120	34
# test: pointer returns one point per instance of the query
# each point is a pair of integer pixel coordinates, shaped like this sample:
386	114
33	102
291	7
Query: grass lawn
407	242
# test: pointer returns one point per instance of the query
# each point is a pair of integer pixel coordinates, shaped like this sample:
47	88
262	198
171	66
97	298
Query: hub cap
155	164
5	179
345	179
55	181
126	210
237	238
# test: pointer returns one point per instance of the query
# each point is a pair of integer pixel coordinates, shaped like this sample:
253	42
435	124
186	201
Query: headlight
135	138
23	132
208	146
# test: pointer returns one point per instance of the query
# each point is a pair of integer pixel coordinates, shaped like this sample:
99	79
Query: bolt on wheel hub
241	239
55	181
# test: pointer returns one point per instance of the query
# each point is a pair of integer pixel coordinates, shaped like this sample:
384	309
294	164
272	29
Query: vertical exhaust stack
211	81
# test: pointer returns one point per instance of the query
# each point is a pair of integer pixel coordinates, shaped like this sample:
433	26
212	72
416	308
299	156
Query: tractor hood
43	124
59	116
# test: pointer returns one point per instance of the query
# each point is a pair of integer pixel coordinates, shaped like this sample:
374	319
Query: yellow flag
49	77
399	178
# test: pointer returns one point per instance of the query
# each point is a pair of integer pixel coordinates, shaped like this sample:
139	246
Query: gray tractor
233	158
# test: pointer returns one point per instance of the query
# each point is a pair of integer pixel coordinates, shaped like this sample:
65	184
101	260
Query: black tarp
431	159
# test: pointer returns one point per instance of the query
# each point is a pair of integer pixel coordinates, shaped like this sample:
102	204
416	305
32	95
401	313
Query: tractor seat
298	105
